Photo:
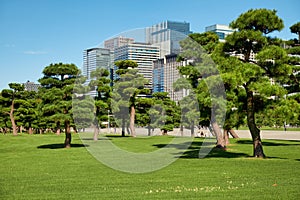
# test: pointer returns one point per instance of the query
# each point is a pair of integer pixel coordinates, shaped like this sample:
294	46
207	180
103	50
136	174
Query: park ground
38	167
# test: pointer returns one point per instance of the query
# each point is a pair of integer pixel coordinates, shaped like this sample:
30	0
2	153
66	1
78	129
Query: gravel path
282	135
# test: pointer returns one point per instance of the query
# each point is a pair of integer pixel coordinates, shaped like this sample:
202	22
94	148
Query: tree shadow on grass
59	146
212	152
273	143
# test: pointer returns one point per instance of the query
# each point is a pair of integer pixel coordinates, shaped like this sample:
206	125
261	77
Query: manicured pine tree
103	98
9	99
125	92
56	93
27	111
253	77
204	80
164	113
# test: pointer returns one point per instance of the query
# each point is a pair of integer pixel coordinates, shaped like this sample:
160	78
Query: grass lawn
37	167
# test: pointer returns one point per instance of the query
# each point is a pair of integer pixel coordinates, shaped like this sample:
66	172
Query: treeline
226	87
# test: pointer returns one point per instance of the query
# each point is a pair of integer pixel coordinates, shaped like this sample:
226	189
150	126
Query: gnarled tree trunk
226	137
255	132
219	135
233	133
217	131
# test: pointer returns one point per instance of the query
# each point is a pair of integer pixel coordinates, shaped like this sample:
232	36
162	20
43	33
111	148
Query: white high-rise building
142	53
221	30
115	42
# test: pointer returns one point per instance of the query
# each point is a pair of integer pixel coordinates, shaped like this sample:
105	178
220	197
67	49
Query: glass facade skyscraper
166	35
96	58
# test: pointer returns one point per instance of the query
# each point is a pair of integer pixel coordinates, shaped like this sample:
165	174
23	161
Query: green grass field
37	167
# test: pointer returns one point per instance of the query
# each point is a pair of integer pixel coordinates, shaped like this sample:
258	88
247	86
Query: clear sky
35	33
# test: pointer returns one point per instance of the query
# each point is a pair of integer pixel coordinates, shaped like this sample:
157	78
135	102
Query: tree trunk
58	128
131	124
255	132
123	126
149	130
233	133
226	137
12	118
96	132
181	130
68	134
164	132
219	135
30	131
75	129
217	130
192	130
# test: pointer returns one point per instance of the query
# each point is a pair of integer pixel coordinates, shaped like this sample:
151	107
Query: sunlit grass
37	167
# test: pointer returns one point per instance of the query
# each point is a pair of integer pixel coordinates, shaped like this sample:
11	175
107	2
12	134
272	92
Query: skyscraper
142	53
115	42
165	74
96	58
166	35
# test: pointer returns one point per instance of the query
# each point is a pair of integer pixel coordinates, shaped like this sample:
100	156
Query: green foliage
27	111
244	42
263	20
294	50
57	92
83	105
10	101
259	83
296	29
103	99
125	93
208	40
143	106
202	76
279	113
164	113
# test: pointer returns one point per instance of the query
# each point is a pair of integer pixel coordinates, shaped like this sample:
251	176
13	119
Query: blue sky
35	33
